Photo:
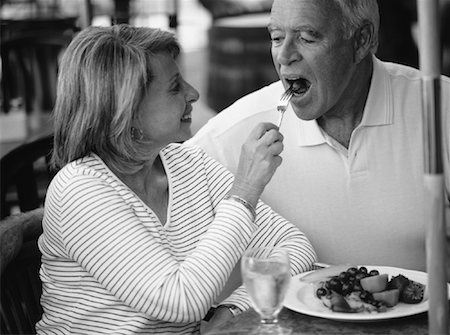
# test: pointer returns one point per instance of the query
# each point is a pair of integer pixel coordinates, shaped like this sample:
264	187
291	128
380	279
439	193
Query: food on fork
283	103
357	290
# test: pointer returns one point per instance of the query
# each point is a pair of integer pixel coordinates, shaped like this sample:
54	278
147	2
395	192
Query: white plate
301	298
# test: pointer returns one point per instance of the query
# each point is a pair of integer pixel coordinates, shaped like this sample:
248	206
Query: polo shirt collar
377	111
309	133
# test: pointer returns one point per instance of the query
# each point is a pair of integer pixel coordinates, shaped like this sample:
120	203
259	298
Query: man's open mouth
299	85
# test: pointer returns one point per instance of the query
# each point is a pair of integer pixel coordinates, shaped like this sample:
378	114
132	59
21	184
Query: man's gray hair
356	13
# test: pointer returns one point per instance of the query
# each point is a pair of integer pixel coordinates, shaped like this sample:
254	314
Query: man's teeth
186	117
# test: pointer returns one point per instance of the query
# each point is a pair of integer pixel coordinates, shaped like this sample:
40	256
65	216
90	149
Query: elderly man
352	171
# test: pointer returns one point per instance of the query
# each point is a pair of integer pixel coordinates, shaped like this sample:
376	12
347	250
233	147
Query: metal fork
283	103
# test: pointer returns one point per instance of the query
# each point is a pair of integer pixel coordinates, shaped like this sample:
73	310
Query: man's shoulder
408	72
401	71
407	78
246	111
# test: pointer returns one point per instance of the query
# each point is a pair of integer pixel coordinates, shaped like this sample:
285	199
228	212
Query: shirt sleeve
274	230
101	232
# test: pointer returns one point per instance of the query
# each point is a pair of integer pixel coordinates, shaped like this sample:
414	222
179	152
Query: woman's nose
192	94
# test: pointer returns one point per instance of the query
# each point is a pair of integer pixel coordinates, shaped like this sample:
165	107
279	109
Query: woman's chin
185	134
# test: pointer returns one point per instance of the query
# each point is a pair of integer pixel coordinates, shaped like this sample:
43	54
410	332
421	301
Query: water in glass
266	276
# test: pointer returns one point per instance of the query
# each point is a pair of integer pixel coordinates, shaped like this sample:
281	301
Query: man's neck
340	122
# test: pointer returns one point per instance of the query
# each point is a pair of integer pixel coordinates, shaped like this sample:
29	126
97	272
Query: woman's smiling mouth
187	117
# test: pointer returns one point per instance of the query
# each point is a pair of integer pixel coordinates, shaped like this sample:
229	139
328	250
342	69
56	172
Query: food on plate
388	297
413	293
324	274
339	304
358	290
347	304
399	282
375	283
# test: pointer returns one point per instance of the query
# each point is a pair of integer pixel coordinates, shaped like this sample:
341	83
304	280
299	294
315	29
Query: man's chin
305	114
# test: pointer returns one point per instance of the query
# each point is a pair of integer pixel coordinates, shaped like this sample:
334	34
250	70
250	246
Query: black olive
365	296
362	270
335	285
321	292
347	288
343	276
352	271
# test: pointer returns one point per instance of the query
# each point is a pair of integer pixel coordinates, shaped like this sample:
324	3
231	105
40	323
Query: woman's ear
363	41
137	134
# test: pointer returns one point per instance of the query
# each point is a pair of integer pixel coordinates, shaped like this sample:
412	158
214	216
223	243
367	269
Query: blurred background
225	49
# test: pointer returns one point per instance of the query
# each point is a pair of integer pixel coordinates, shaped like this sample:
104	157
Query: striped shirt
109	266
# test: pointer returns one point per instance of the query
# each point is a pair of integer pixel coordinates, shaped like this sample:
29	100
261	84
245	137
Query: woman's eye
276	39
176	88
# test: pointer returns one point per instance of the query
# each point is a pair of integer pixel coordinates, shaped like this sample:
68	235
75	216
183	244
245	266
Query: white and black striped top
109	266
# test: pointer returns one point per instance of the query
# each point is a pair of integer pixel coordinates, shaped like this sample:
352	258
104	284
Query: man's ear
362	41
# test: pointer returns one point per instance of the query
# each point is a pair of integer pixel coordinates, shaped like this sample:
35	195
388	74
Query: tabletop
304	324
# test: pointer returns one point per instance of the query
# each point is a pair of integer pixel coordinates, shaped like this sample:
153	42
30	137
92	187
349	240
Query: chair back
25	175
29	69
20	258
133	12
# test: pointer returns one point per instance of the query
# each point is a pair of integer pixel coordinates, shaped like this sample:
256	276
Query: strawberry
413	293
399	282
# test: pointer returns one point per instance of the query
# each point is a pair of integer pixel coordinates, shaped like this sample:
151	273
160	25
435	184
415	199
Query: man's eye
309	37
306	40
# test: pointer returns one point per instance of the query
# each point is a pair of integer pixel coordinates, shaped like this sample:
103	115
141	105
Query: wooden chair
25	175
29	68
20	259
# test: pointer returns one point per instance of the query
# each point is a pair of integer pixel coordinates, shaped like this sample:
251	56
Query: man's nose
288	52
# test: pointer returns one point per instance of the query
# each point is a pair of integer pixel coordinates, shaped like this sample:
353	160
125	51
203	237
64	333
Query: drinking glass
265	273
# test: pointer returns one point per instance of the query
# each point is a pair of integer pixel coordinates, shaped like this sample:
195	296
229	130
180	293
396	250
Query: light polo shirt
364	205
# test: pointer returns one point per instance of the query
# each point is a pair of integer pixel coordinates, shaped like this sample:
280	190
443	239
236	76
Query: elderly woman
141	233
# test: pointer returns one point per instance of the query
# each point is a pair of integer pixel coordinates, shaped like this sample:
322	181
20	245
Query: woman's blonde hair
103	76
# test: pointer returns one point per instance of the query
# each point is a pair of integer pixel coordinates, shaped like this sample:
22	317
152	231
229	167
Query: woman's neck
150	184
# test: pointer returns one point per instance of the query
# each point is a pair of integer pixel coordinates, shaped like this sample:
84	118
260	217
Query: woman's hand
221	315
258	162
